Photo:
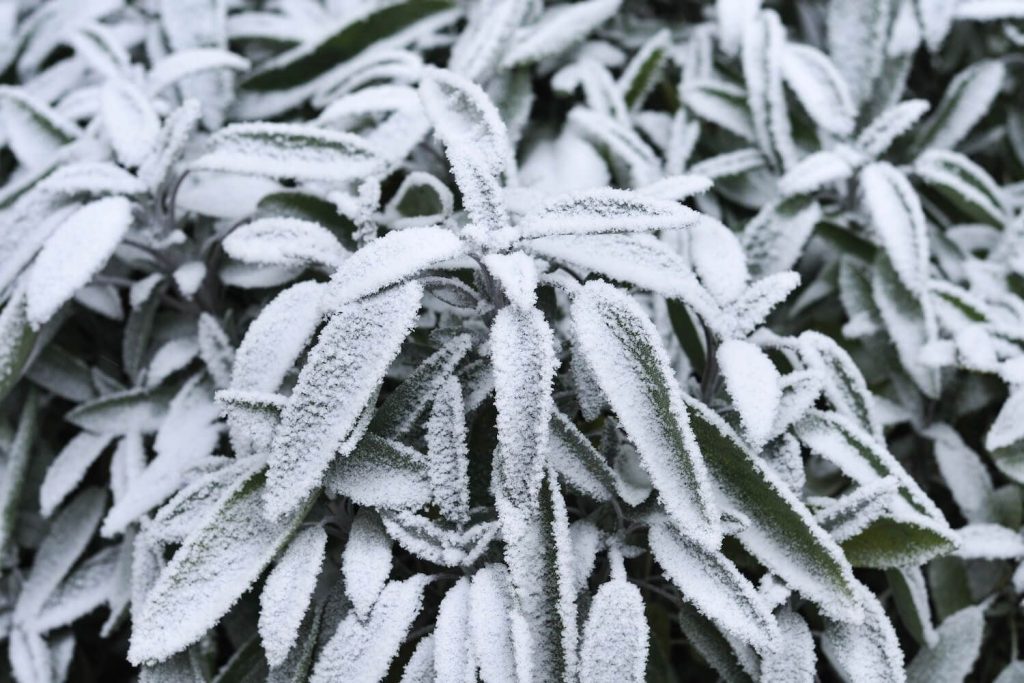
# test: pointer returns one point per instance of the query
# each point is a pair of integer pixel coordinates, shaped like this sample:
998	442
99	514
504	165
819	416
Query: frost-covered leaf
988	10
895	121
643	71
843	383
910	593
728	657
490	597
76	251
718	260
632	158
793	657
349	359
763	58
781	533
517	275
184	63
614	646
476	142
69	467
898	220
558	29
989	542
287	592
366	562
868	651
602	211
33	129
963	183
16	340
81	592
522	354
753	383
713	584
215	565
363	650
965	474
819	87
68	535
953	657
287	150
774	239
284	242
447	454
489	32
130	121
404	406
722	104
391	259
454	654
858	31
967	99
573	456
381	473
622	347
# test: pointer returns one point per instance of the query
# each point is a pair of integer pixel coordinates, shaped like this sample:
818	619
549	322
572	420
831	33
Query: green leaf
953	656
964	183
124	412
622	347
246	664
967	99
910	593
780	531
215	565
15	468
16	341
716	650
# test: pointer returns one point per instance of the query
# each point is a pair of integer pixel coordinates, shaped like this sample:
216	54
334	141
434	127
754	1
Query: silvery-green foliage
511	340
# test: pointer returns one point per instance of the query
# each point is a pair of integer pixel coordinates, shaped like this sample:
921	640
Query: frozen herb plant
510	340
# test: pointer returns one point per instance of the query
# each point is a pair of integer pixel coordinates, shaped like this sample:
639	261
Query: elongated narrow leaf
858	31
69	467
713	584
16	340
558	29
820	88
898	220
524	366
76	251
754	384
130	121
284	241
454	655
602	211
215	565
968	98
363	650
781	533
954	655
350	358
391	259
622	347
288	150
614	646
447	454
490	597
868	651
489	32
964	183
366	562
287	592
34	130
762	58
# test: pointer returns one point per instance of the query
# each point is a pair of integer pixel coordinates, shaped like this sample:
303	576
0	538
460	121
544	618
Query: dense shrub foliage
511	340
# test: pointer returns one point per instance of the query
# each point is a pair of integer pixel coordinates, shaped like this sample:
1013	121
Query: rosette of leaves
323	362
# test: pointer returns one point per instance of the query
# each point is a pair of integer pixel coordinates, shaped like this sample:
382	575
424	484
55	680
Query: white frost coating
677	188
489	31
818	170
217	563
965	474
33	129
172	356
490	597
614	648
381	473
558	29
718	260
623	349
420	667
447	454
287	592
842	381
393	258
953	657
177	128
622	142
889	125
453	645
641	260
366	562
792	658
989	542
753	383
910	323
989	10
1008	427
85	589
957	174
188	278
869	651
183	63
78	249
523	357
774	239
131	124
713	584
69	467
819	87
285	242
968	98
215	350
349	360
475	140
733	17
604	210
518	277
858	31
68	536
277	337
898	220
363	650
762	56
288	150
